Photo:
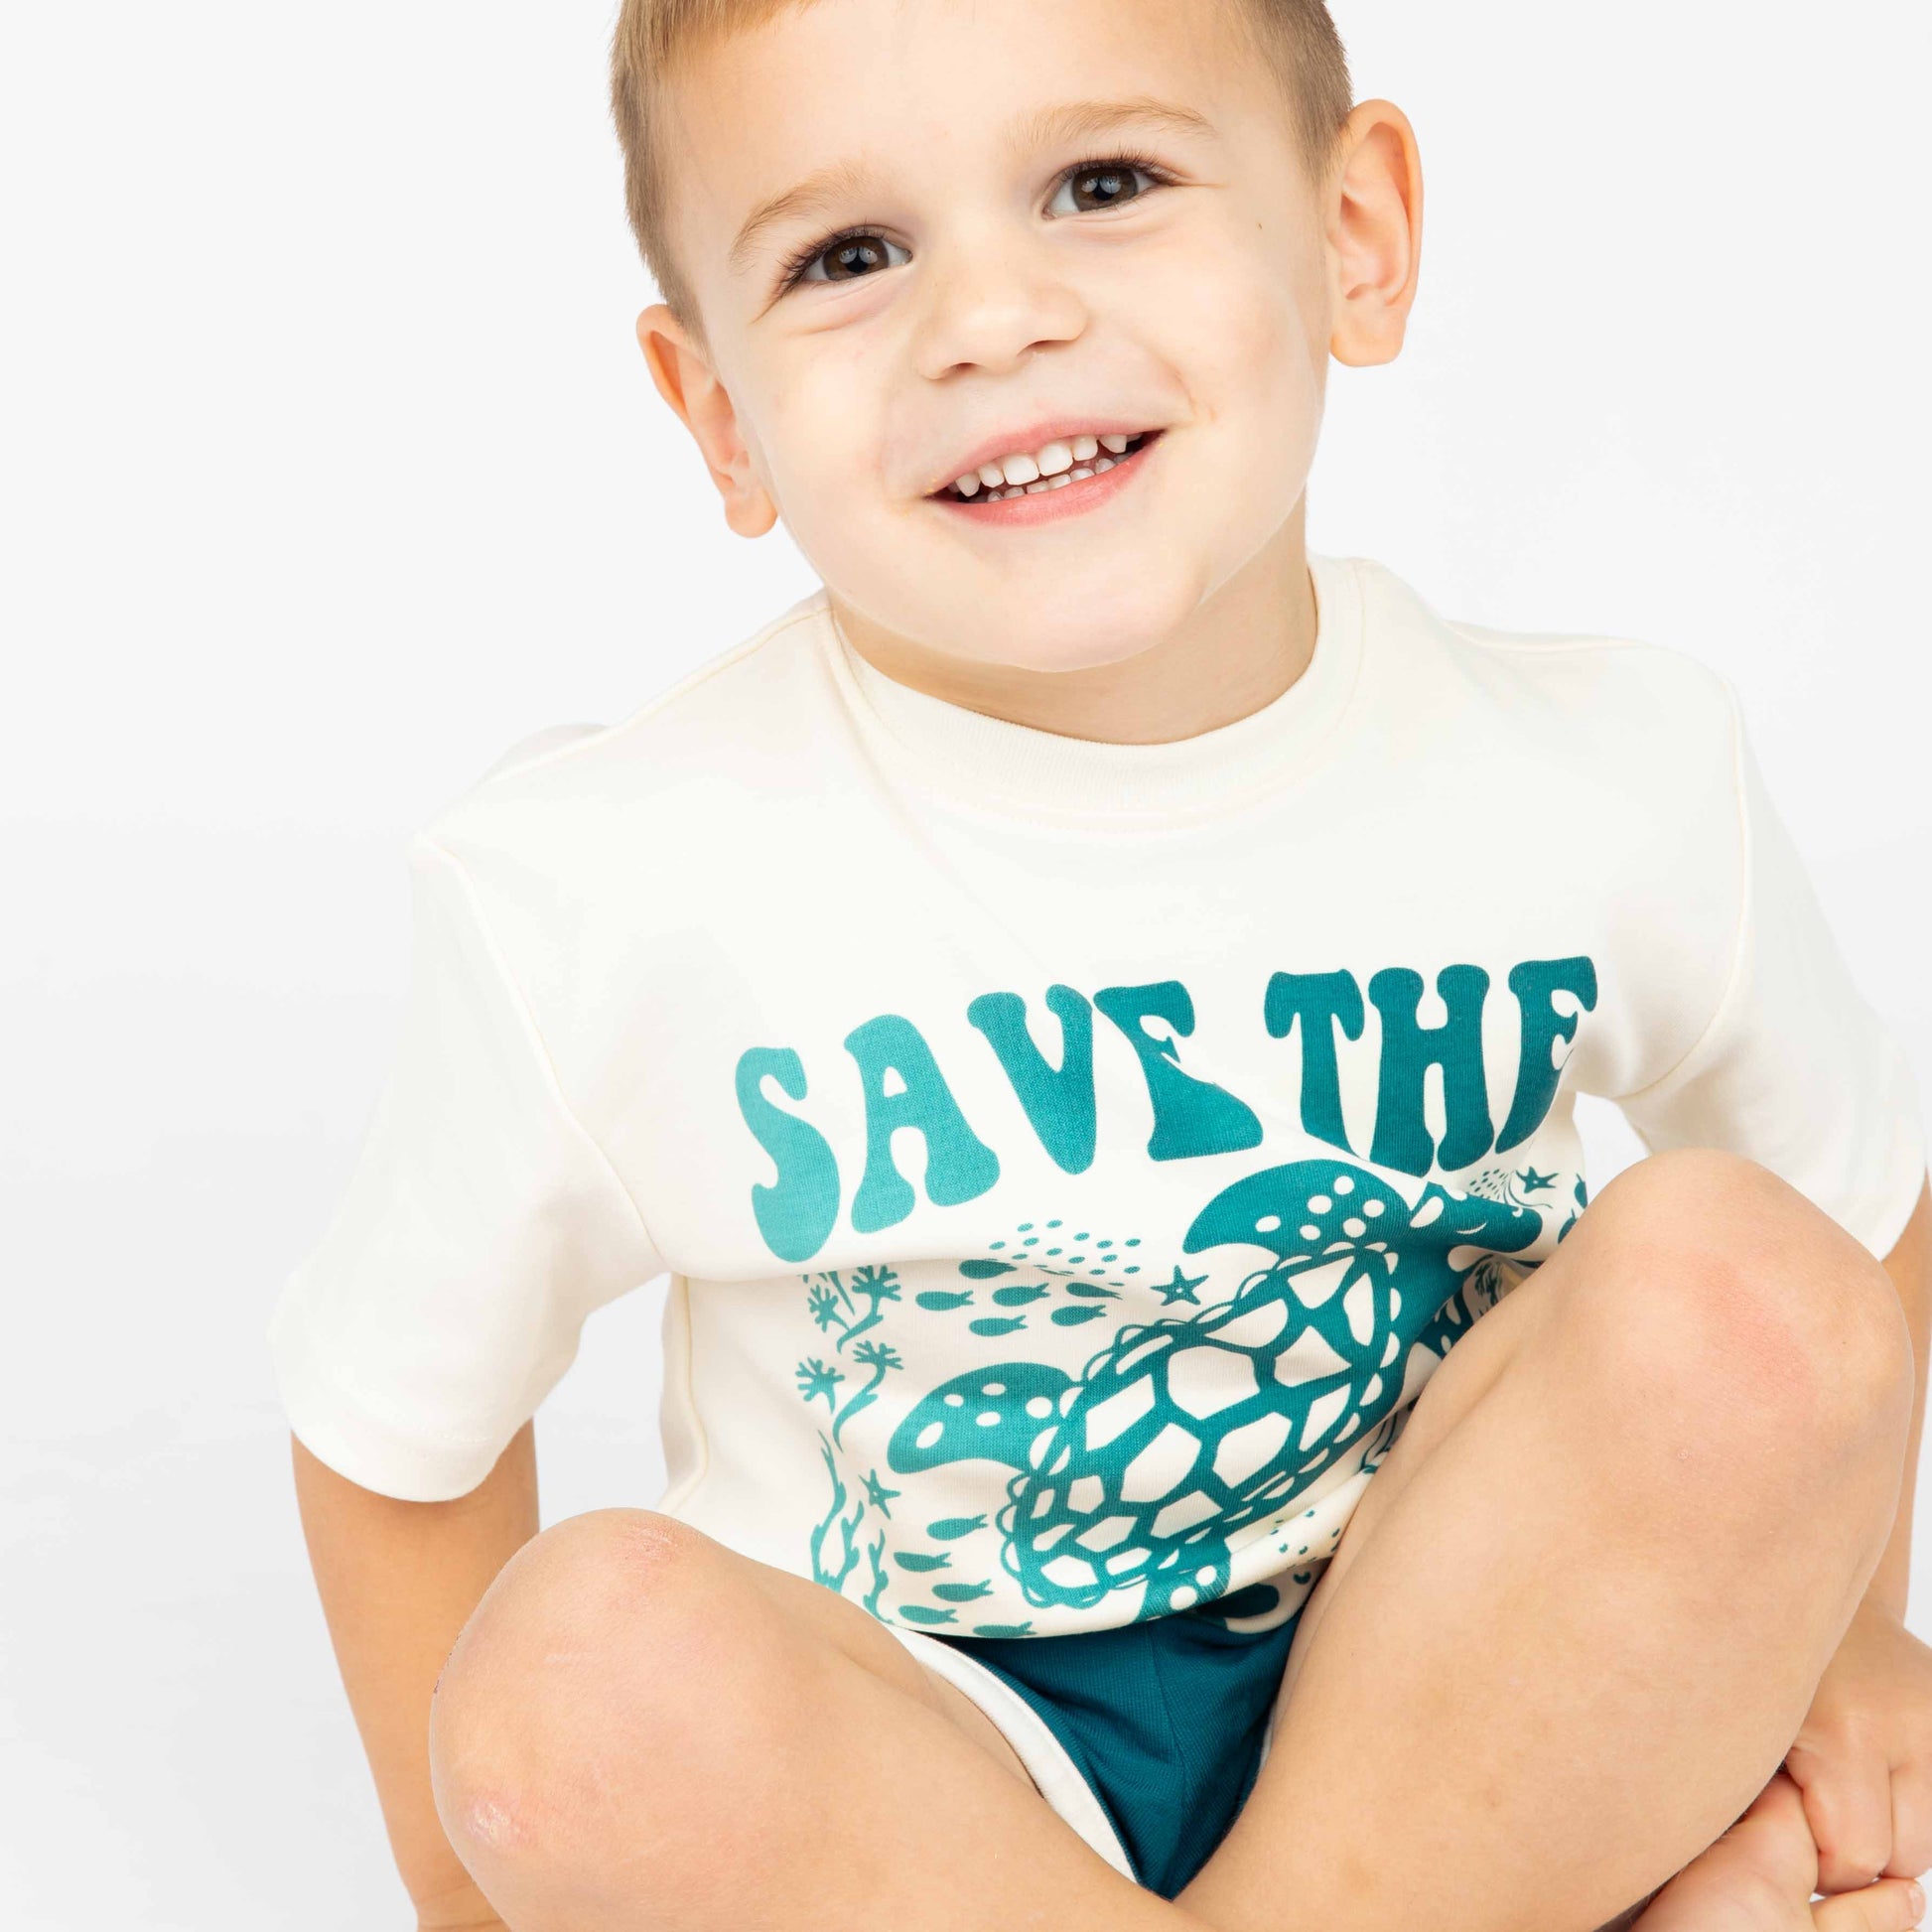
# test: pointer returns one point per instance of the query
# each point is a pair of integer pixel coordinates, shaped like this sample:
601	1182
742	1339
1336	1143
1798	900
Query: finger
1911	1820
1775	1836
1891	1905
1848	1803
1780	1801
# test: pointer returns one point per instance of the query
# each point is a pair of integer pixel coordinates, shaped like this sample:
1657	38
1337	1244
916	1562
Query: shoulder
1647	732
1628	697
1616	691
674	761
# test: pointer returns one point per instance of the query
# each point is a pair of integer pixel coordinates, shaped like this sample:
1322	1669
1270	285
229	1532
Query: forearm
398	1581
1911	1267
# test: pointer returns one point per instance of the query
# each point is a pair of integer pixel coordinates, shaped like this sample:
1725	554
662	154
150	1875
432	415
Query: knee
1749	1304
569	1682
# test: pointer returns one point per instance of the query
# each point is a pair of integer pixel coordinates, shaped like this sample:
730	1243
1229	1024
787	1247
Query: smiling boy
1108	1126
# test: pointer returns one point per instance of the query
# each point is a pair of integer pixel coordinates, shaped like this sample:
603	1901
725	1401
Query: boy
1158	1432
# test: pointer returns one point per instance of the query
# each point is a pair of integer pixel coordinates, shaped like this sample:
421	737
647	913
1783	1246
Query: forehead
902	91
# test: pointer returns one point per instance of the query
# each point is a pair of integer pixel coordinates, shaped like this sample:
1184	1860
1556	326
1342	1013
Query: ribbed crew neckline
998	765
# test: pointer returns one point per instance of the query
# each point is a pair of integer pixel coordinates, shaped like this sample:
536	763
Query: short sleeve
1794	1071
481	1225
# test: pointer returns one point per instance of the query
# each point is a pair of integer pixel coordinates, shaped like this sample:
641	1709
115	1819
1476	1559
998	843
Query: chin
1084	636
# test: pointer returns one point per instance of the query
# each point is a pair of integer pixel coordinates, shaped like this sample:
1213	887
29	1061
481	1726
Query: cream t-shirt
1070	1159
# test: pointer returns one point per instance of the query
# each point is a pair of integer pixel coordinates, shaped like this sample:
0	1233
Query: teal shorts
1145	1738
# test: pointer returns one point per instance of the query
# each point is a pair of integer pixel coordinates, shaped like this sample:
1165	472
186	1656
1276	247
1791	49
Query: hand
1760	1874
1864	1757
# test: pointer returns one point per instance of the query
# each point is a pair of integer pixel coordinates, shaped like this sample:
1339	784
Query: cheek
1245	348
818	432
823	437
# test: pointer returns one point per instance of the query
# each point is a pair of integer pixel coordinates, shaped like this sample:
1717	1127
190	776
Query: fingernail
1917	1896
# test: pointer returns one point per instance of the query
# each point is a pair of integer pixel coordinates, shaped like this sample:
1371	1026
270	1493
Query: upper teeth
1026	468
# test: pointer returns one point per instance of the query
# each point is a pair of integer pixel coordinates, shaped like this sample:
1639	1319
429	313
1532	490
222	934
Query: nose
991	307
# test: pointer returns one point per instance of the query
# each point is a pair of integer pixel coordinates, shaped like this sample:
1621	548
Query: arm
398	1581
1911	1267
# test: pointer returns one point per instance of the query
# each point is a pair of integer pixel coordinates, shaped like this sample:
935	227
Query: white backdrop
331	469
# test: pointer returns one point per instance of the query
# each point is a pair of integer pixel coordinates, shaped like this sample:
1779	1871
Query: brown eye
849	259
1099	185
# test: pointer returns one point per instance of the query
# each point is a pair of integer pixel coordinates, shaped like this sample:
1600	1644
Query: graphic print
1139	1473
904	1089
1135	1480
1181	1432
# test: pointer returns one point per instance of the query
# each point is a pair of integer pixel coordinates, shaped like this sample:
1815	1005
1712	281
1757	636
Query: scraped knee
571	1687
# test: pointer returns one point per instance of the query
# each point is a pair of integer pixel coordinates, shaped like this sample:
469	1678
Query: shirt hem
370	1452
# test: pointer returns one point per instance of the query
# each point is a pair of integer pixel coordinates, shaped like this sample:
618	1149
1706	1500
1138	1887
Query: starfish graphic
1533	1181
1181	1289
877	1491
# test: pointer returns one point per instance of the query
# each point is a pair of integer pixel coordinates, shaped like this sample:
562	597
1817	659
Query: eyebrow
1069	121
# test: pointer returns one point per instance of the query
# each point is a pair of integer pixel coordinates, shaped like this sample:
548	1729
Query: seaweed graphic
816	1378
876	1555
833	1302
881	1359
834	1581
833	1305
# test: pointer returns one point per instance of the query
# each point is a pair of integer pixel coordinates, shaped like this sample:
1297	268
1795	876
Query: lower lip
1051	505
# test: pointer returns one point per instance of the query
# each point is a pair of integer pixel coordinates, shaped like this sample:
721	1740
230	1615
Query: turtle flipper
996	1414
1473	1220
1184	1579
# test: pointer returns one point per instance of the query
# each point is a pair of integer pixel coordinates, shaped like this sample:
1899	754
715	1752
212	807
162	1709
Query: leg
642	1729
1580	1613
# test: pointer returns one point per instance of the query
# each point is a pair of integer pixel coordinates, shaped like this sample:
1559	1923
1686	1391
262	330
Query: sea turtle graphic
1181	1432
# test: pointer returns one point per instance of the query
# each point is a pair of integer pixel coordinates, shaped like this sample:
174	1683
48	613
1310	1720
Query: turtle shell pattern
1181	1432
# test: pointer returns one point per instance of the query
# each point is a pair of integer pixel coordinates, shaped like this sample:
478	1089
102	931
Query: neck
1238	651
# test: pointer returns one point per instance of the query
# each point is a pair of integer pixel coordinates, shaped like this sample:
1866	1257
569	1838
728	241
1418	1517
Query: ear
1374	233
686	380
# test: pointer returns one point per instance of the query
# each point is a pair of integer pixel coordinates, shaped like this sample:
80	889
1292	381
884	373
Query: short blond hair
1296	38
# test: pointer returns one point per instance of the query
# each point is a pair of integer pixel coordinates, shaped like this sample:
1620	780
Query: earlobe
752	514
1375	219
685	380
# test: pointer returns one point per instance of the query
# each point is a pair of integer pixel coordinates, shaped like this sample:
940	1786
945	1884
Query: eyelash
792	272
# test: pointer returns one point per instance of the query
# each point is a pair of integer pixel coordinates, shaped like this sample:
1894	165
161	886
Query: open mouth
1059	466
